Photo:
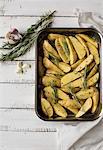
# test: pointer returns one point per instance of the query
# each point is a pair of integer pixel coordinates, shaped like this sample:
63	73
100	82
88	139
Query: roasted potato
86	106
80	50
51	81
92	72
85	63
83	43
95	99
60	51
77	63
67	105
46	107
64	67
49	65
63	43
70	77
49	92
53	36
93	80
49	48
59	110
84	94
94	51
89	39
73	55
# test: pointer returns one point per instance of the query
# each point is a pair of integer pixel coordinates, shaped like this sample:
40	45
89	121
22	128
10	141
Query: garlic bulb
12	37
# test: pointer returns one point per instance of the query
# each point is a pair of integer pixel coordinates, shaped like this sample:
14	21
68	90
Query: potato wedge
83	43
93	80
85	63
80	50
73	55
62	95
86	106
46	107
94	51
91	66
50	71
49	48
49	92
49	65
64	46
70	77
66	88
64	67
75	65
84	94
51	81
67	104
95	99
89	39
53	36
77	83
60	51
93	71
59	110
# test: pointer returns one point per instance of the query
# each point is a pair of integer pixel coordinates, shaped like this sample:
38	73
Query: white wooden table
18	122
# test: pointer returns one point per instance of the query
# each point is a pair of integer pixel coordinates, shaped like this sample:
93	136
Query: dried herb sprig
28	39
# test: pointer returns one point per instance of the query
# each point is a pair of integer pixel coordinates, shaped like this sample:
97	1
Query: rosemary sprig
28	39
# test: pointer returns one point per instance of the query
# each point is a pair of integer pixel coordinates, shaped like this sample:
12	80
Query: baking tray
38	82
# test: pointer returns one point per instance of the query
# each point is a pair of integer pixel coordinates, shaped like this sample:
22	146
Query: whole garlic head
13	36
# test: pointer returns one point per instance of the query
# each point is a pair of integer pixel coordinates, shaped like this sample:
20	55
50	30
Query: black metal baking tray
38	82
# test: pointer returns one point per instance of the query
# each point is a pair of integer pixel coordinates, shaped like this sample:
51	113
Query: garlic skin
13	36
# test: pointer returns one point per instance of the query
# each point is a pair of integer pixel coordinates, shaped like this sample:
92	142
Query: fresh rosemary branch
28	39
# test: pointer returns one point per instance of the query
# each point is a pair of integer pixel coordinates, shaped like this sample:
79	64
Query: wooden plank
38	7
8	73
22	23
17	95
28	141
23	120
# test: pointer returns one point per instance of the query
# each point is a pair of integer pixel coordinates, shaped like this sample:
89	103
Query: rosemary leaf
28	39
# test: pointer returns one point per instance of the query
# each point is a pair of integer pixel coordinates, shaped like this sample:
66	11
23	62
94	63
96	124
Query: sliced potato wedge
70	77
64	46
53	36
62	95
66	88
64	67
92	64
80	50
94	51
84	94
93	71
51	81
77	63
95	99
86	106
67	104
83	43
73	55
93	80
85	63
49	92
89	39
77	83
46	107
49	65
60	51
50	71
59	110
49	48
